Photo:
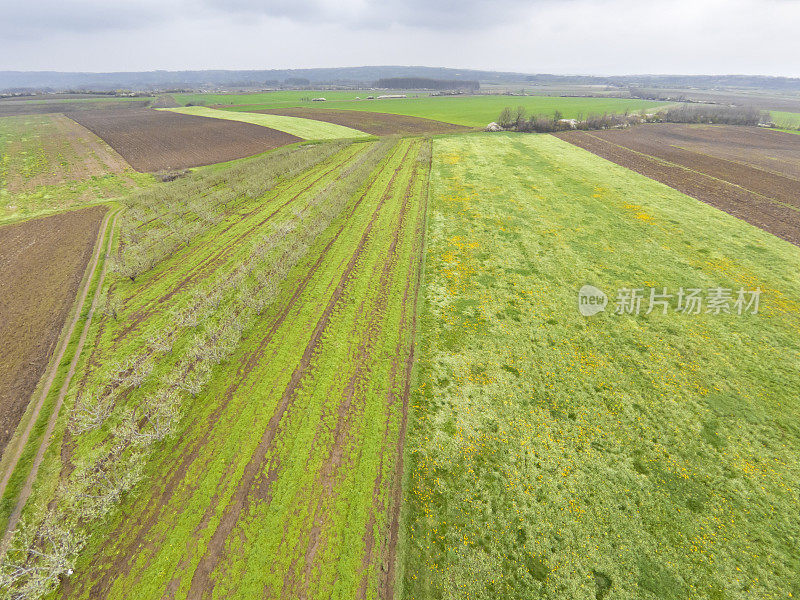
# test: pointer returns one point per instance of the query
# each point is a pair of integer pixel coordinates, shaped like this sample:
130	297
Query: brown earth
10	108
370	122
152	140
41	266
750	173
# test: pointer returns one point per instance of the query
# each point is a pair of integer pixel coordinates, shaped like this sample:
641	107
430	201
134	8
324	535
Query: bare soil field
152	140
42	262
749	173
11	108
370	122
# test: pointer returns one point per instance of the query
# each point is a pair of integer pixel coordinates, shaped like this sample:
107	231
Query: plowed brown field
152	140
370	122
41	266
10	108
750	173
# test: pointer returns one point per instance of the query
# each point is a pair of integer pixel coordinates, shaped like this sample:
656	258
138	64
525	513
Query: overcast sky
533	36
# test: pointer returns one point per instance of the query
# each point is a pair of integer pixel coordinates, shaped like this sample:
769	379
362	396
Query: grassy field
552	455
478	111
303	128
50	163
246	380
786	120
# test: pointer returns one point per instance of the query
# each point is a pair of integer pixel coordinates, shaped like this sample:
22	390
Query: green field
472	111
49	163
307	129
649	457
786	120
288	290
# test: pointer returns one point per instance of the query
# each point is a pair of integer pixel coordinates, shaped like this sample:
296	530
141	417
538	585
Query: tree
506	118
520	117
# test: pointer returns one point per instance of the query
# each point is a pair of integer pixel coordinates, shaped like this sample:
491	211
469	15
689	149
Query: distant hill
160	80
366	76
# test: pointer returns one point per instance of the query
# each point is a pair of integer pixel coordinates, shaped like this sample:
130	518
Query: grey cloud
42	18
427	14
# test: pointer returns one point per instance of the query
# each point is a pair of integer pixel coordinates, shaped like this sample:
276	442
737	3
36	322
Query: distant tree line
423	83
711	113
518	119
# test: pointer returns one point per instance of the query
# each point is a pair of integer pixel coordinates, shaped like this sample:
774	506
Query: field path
51	375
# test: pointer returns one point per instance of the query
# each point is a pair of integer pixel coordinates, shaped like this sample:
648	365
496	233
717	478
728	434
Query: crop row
126	409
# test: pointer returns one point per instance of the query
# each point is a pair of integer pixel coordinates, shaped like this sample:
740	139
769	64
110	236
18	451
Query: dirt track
11	464
42	263
152	140
749	173
370	122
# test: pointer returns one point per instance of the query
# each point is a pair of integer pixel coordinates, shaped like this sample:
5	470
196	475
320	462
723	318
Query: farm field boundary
51	164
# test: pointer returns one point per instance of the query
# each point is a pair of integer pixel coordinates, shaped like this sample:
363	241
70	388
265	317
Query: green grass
786	120
307	129
552	455
44	170
471	111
